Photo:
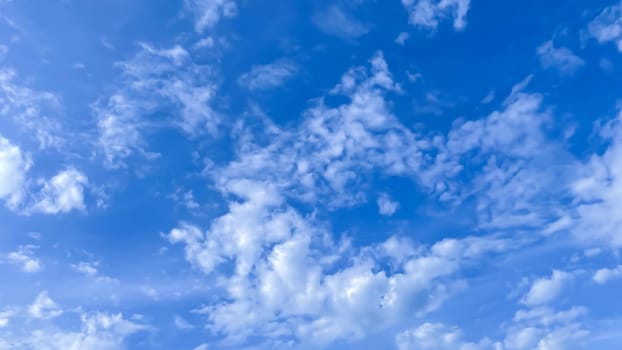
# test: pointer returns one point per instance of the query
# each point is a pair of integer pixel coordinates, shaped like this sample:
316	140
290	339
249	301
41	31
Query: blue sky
233	174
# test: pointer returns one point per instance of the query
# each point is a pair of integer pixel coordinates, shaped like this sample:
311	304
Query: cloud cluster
155	82
283	276
96	331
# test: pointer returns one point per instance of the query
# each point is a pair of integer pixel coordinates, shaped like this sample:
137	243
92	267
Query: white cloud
27	109
280	269
315	160
386	206
85	268
23	257
546	316
181	323
267	76
428	13
154	80
119	129
546	289
91	270
503	153
207	42
99	331
337	21
13	168
62	193
282	272
604	275
207	13
544	328
560	58
437	336
5	318
44	307
597	192
607	26
176	54
273	260
401	38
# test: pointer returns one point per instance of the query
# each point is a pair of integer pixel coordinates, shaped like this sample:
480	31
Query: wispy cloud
336	20
560	58
267	76
209	12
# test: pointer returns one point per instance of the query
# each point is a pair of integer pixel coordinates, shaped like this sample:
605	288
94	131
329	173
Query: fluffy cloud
44	307
401	38
23	257
428	13
13	168
262	77
607	26
386	206
286	273
560	58
279	269
602	276
544	290
62	193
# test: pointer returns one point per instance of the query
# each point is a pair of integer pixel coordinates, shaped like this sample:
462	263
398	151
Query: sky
320	174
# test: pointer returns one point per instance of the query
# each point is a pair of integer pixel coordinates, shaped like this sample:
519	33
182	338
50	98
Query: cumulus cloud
13	168
294	283
23	257
207	13
429	13
560	58
546	289
604	275
62	193
44	307
267	76
280	269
